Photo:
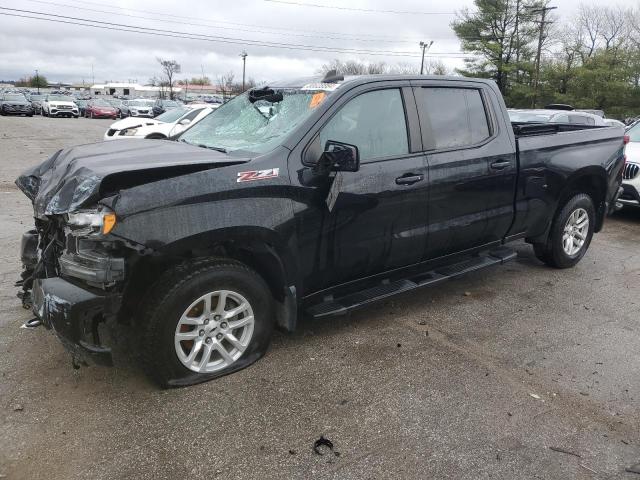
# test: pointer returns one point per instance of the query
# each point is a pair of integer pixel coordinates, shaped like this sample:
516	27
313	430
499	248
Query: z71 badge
252	175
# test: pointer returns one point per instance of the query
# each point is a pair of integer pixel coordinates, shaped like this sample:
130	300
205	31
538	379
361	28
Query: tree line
589	61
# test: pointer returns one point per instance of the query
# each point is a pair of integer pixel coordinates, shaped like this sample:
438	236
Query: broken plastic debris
323	442
537	397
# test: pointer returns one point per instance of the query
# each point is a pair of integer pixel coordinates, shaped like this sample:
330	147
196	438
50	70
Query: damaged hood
72	178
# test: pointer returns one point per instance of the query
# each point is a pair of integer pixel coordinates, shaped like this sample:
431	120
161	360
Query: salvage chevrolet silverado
311	197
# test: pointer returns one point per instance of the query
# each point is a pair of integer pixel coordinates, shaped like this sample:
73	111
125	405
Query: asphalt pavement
517	372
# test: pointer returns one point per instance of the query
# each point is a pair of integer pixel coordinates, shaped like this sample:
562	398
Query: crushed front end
71	279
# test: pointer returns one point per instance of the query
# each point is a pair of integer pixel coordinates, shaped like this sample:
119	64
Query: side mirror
339	157
185	121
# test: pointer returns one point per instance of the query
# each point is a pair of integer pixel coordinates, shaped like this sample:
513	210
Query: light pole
425	48
37	81
244	64
543	22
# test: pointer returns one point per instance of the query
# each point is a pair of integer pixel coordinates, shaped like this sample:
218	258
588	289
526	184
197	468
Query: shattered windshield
256	121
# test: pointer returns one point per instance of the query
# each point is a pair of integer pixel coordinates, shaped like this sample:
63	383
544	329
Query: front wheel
571	233
204	320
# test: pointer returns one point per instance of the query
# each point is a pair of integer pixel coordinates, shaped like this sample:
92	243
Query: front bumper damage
67	299
75	315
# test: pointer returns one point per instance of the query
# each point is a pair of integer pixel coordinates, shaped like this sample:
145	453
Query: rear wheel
571	233
204	320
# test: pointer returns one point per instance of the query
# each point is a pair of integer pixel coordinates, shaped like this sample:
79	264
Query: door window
374	122
456	117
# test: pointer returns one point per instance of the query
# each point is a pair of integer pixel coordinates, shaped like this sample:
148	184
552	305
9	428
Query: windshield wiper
202	145
217	149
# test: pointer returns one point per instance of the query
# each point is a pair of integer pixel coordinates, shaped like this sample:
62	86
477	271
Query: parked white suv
59	106
165	125
631	173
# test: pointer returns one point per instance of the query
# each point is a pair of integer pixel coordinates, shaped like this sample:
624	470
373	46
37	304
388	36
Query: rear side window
456	117
374	122
581	119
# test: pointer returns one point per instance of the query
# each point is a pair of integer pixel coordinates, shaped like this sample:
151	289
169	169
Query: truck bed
549	155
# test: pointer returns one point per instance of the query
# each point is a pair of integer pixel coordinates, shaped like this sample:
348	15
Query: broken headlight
91	222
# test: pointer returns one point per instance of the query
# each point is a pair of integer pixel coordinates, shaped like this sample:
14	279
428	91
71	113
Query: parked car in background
555	116
124	109
36	103
100	108
59	106
115	103
631	175
612	122
160	106
15	104
168	124
140	107
82	105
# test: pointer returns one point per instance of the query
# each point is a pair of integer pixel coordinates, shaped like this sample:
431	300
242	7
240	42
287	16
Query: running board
342	305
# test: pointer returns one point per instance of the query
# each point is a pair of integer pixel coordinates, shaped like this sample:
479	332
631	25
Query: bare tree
615	28
590	21
225	84
354	67
169	69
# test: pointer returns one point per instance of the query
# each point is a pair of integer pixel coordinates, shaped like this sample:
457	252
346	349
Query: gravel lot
482	377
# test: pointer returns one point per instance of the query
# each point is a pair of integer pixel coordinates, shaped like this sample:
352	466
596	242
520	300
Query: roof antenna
332	77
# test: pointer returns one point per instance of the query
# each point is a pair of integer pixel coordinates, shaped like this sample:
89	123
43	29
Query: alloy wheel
214	331
575	231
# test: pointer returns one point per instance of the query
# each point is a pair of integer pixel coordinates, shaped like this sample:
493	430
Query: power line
191	24
282	32
185	35
354	9
264	27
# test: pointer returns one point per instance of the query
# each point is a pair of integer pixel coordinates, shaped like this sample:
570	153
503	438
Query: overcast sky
66	52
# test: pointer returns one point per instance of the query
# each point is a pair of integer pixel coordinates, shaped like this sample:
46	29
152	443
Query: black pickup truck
311	197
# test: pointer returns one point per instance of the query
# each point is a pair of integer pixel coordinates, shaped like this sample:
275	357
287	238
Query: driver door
378	221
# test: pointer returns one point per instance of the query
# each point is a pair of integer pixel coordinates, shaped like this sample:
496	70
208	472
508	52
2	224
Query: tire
569	241
176	294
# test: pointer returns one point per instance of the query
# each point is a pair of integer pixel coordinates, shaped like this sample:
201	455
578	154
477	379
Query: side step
343	305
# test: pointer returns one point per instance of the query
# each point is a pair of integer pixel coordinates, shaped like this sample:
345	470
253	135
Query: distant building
131	90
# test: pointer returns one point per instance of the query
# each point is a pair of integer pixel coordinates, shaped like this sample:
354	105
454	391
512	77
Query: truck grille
630	171
65	107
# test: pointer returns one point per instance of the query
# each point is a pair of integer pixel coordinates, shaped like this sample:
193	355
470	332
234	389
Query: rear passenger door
471	166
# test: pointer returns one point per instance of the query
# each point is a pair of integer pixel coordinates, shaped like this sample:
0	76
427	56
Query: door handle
409	179
500	165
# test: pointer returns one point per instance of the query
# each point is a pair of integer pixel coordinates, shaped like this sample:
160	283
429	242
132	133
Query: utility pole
93	78
543	23
244	64
425	48
37	81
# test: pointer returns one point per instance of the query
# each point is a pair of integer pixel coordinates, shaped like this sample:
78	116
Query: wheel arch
258	248
591	181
